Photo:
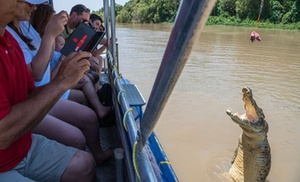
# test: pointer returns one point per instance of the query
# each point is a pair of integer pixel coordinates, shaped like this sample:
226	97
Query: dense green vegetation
273	13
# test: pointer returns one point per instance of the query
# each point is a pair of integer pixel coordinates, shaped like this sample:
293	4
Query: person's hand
81	81
106	43
94	61
95	68
103	41
56	24
73	68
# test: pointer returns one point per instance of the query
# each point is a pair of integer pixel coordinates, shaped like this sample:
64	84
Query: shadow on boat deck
108	139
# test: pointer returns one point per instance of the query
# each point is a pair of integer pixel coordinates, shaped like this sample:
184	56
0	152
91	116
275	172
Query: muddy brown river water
195	132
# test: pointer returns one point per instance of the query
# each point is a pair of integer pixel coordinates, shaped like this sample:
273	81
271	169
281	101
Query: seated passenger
97	22
78	14
25	156
37	51
86	85
59	43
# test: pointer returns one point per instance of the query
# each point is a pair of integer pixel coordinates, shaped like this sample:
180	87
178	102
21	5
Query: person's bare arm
57	66
99	51
25	115
104	46
40	61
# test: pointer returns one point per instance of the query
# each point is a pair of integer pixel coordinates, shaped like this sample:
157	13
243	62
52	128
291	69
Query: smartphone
83	38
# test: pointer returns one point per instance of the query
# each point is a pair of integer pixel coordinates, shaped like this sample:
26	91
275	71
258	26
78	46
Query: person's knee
91	122
80	168
79	142
86	161
90	118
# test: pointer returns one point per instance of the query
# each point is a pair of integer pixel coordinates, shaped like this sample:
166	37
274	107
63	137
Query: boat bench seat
135	99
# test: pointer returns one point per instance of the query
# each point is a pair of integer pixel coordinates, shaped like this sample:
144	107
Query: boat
141	157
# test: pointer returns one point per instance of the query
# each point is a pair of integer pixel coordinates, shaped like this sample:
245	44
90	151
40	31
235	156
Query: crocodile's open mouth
250	118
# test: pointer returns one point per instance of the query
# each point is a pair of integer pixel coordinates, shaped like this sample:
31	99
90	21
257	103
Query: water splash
222	168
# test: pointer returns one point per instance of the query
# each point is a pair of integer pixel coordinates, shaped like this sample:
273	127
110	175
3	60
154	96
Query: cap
37	1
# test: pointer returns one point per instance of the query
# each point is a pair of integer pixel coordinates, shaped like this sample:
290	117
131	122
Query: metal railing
128	129
190	20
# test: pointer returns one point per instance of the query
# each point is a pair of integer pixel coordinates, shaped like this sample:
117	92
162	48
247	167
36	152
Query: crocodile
252	158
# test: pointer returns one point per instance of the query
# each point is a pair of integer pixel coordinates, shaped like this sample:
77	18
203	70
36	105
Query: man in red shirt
23	155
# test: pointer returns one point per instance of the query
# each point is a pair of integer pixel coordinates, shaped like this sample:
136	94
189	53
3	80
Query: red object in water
255	36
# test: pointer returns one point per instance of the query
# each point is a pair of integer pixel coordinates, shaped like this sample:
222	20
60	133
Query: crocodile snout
229	112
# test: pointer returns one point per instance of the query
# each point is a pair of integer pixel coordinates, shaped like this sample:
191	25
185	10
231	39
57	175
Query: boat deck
108	139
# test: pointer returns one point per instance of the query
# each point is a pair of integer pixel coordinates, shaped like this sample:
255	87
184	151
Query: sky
91	4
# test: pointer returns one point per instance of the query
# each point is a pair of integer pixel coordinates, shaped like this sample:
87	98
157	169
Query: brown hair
27	40
79	9
40	17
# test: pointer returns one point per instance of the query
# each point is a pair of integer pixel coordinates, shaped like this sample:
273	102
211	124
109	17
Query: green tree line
232	12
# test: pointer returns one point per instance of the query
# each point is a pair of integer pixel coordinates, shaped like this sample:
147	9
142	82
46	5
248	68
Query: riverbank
232	21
